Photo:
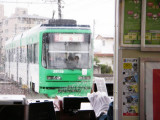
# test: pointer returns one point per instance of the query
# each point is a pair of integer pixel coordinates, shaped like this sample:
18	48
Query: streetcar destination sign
68	37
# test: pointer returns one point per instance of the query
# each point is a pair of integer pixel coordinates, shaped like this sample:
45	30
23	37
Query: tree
96	60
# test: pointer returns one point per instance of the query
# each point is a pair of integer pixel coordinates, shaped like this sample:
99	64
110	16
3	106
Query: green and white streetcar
54	58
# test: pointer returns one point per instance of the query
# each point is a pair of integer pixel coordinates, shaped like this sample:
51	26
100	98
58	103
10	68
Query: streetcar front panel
66	62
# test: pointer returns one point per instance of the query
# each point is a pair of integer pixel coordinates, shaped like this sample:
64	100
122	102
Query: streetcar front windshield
66	51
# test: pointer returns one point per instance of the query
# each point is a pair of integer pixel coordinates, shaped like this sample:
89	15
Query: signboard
150	40
68	37
152	36
131	22
141	24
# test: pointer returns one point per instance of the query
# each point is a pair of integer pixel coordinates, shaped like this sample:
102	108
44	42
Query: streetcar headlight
80	77
58	78
49	78
84	77
53	77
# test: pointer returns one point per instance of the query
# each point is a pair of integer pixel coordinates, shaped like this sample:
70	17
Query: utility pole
59	9
94	23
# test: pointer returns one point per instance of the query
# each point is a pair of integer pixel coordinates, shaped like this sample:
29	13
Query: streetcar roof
41	27
48	26
66	26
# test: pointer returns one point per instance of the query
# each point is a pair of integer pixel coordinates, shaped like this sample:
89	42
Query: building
19	22
104	50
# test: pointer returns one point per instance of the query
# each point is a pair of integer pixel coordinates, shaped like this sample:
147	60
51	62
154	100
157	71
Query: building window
38	22
6	38
24	12
6	22
103	43
22	20
6	30
29	21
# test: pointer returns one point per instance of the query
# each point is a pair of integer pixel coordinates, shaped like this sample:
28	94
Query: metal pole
115	115
59	9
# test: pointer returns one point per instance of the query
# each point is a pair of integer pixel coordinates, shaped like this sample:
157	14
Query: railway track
11	88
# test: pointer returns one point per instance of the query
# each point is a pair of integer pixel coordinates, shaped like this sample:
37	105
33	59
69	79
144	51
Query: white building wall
104	46
97	46
108	48
107	61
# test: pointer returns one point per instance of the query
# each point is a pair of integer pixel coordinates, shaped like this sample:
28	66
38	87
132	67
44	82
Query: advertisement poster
130	87
132	22
152	35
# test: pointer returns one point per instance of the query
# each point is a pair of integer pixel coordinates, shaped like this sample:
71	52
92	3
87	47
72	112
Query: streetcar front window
65	52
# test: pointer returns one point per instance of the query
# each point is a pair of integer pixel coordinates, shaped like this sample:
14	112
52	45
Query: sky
97	13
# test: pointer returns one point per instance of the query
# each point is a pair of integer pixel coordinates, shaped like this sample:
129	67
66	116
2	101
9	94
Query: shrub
106	69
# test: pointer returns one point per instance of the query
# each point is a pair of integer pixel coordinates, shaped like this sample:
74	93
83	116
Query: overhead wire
16	2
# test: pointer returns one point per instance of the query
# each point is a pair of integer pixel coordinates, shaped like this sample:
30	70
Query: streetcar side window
7	56
15	55
30	53
20	55
12	53
24	54
35	53
44	51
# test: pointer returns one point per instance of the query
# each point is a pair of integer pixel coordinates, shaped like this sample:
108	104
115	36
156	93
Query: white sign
69	37
58	71
84	71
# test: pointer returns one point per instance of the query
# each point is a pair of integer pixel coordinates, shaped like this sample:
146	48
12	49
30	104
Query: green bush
106	69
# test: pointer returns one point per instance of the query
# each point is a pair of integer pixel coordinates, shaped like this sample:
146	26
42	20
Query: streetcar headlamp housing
84	77
53	77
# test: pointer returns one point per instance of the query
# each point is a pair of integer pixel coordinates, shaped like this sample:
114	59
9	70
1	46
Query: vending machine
137	60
